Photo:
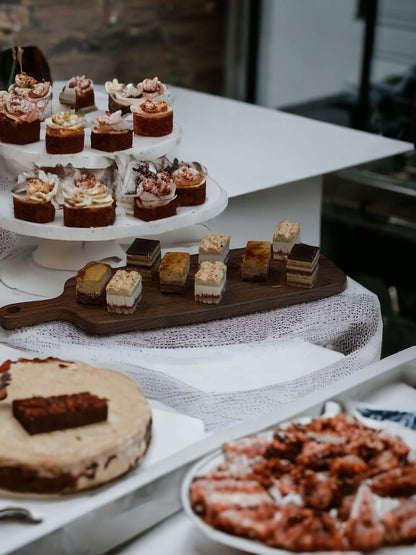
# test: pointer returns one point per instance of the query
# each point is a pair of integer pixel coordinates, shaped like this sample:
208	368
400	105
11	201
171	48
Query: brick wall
180	42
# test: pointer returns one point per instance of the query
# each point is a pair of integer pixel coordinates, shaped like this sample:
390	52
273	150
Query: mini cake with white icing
213	247
284	237
123	292
210	282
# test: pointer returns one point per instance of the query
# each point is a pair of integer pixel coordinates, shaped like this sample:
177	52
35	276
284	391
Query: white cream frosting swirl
67	120
86	192
40	187
18	108
112	122
158	190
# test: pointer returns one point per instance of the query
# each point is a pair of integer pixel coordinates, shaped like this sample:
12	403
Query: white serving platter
389	384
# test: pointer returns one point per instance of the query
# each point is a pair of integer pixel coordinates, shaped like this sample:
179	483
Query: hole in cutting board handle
13	309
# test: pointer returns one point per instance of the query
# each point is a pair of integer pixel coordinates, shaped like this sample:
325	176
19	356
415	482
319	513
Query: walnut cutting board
157	310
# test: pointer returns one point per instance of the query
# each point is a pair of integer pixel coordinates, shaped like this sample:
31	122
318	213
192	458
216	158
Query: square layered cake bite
210	282
284	237
302	266
124	292
91	282
214	246
173	272
143	255
256	261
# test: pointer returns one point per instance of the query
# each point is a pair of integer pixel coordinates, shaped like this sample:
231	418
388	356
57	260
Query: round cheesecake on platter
69	459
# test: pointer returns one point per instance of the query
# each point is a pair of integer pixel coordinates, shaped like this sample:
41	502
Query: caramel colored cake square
256	261
143	255
173	272
91	282
284	237
302	266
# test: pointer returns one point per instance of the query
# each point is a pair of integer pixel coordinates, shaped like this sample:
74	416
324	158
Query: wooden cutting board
157	310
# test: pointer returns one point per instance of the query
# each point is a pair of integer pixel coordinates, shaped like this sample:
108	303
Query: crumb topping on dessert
124	279
152	106
286	231
187	175
214	242
210	271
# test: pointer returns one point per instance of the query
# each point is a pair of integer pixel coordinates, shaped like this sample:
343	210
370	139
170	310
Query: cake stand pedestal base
73	255
45	270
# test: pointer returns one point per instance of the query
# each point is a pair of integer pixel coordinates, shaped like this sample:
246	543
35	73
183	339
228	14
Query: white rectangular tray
110	516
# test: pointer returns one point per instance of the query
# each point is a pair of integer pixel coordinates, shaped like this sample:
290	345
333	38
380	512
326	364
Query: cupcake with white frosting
88	203
33	200
65	133
112	132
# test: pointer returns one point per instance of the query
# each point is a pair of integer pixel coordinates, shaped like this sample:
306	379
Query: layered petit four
191	183
65	133
123	292
121	96
19	119
155	197
144	256
35	203
256	261
284	237
71	459
302	266
91	282
214	247
39	92
173	272
152	118
112	132
78	94
39	415
88	203
210	282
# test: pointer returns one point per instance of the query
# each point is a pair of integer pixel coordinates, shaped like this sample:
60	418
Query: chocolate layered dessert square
210	282
173	272
284	237
39	415
124	292
256	261
213	247
91	282
302	265
144	256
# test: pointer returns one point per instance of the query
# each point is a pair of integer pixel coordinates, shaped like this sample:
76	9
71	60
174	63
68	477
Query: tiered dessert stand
62	250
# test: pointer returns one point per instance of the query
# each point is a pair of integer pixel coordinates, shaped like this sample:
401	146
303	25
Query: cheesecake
284	237
214	247
78	458
123	292
91	282
173	272
210	282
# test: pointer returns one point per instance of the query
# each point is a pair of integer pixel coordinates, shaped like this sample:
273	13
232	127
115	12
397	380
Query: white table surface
249	150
